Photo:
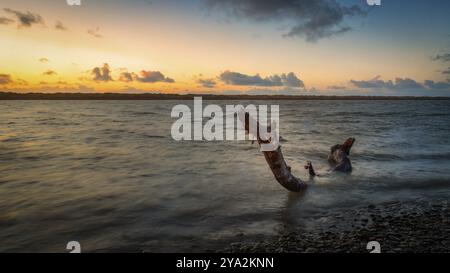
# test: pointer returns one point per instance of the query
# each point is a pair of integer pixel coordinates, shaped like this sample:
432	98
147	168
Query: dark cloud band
312	19
401	84
153	76
236	78
145	77
26	19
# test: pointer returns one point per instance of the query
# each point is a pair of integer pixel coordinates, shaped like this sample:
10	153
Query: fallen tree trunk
277	164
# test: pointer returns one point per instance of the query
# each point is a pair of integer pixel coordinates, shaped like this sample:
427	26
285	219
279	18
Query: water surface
109	175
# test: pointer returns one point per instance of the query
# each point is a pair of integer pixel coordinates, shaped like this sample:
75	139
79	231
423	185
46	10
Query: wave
373	156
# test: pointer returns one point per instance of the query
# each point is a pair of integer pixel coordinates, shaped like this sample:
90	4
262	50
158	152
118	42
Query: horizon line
190	96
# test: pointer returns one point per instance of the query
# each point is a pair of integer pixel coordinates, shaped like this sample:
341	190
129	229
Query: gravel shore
398	227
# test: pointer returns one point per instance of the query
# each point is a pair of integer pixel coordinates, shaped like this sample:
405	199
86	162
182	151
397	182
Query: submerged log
338	157
277	164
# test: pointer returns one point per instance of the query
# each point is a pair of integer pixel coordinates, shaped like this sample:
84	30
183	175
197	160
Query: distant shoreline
153	96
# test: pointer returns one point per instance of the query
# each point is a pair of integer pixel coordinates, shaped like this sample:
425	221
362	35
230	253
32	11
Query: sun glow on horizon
159	48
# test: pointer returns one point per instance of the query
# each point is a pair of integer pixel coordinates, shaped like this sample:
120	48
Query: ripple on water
112	177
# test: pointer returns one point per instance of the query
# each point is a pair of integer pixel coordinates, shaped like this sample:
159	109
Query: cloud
407	84
374	83
95	32
291	80
442	57
152	77
43	60
207	83
312	19
26	19
377	83
145	77
60	26
437	85
102	74
50	73
236	78
5	79
127	77
336	87
401	84
5	21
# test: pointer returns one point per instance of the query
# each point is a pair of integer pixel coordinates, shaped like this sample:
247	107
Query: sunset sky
210	46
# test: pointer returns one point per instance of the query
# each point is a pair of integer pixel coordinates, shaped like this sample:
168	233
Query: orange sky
190	46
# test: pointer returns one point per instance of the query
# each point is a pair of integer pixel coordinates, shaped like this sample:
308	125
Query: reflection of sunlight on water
109	175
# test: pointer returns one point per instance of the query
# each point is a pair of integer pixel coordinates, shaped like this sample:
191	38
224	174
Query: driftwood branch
277	164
